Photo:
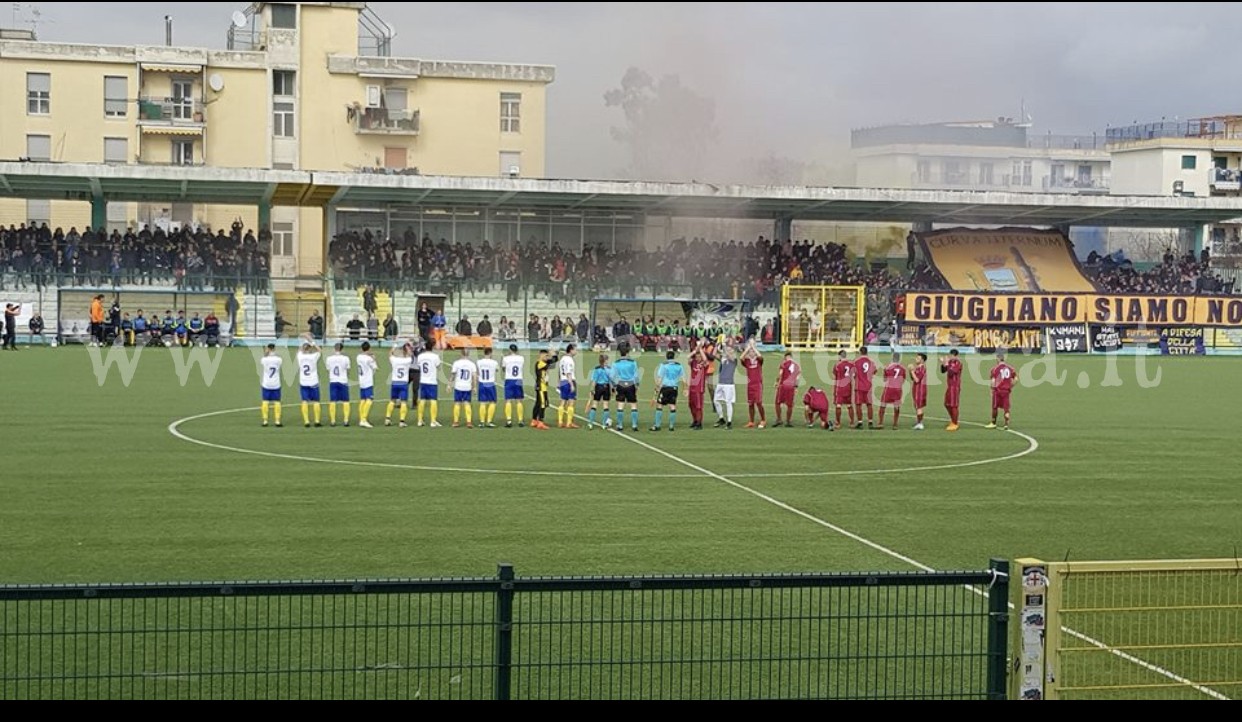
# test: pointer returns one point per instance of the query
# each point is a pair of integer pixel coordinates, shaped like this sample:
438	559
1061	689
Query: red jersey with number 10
1003	377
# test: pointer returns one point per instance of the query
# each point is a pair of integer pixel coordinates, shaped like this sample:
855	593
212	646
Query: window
39	212
116	150
38	94
183	152
987	174
952	173
39	148
183	99
510	112
1221	163
1189	162
397	99
510	165
924	171
282	120
118	217
116	96
282	239
284	83
284	16
1022	173
396	158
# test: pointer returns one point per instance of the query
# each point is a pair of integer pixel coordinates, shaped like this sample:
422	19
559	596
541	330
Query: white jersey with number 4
464	372
271	372
429	369
366	371
515	366
488	371
338	369
308	369
401	369
569	370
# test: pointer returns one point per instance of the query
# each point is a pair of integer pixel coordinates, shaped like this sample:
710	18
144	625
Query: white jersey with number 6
401	369
271	372
515	366
464	371
366	371
488	370
308	369
429	369
338	369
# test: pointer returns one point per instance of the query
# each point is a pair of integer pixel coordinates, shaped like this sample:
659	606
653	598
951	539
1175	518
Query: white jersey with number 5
429	369
271	372
401	369
515	366
366	371
308	369
464	371
488	370
338	369
569	370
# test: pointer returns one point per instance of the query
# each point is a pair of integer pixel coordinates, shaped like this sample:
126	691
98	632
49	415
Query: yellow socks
263	411
332	413
305	414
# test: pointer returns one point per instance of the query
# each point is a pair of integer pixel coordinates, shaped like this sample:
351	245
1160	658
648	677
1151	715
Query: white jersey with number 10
464	372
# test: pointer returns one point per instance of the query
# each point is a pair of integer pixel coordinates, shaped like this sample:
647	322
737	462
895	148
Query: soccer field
97	488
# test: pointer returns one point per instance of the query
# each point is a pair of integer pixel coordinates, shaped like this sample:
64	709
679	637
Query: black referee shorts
603	392
668	396
627	394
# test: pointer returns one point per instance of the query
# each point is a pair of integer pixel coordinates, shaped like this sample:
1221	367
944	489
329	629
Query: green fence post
998	629
504	633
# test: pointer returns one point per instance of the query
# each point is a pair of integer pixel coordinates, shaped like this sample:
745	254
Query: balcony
1081	186
1226	180
180	116
381	121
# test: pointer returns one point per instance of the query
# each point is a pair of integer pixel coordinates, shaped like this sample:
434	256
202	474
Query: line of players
413	367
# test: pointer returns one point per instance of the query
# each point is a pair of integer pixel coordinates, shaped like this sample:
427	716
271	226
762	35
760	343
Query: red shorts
754	394
862	397
920	397
811	414
843	396
892	397
953	397
785	395
1000	400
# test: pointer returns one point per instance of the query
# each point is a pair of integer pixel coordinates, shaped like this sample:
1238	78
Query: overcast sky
791	79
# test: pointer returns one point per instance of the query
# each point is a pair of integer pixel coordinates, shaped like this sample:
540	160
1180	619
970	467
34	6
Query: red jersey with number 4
864	370
1003	377
843	381
790	372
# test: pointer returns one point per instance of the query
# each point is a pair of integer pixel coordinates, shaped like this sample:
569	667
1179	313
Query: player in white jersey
489	371
367	367
429	388
402	360
569	389
338	385
514	367
308	380
271	383
464	375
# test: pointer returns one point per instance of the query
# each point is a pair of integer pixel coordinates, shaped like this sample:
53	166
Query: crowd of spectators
189	259
1174	276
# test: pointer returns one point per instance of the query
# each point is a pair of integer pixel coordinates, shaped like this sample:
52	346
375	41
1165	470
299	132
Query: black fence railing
842	636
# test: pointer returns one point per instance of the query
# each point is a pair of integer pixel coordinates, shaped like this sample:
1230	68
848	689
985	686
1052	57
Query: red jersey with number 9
865	368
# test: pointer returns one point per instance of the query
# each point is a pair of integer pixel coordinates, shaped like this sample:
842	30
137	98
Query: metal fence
841	636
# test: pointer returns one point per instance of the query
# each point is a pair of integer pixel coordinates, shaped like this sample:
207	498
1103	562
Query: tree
669	128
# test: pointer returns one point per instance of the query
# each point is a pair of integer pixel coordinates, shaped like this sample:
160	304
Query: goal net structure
823	317
73	306
675	314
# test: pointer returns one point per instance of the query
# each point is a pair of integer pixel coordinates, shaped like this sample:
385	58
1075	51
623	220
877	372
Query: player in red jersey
843	386
699	363
787	389
918	374
1003	378
894	390
952	369
864	373
752	361
816	403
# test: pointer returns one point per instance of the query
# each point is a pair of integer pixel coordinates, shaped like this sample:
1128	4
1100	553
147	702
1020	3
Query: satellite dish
239	19
216	82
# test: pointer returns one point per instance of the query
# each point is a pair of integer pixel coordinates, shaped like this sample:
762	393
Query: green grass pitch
96	489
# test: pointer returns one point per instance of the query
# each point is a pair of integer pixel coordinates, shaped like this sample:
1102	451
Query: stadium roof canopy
695	200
